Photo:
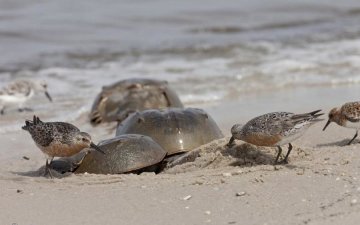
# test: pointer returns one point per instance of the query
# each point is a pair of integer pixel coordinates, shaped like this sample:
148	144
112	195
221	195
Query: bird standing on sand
58	139
348	115
275	129
20	91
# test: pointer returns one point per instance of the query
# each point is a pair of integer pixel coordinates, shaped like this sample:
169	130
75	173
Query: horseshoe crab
176	130
123	154
118	100
67	164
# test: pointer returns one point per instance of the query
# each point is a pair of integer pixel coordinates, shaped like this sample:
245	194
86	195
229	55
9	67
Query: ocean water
257	55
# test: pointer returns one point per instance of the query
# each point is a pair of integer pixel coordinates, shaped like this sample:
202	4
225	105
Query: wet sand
320	185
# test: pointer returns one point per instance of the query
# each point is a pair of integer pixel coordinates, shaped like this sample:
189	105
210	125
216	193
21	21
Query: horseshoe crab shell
176	130
125	153
117	101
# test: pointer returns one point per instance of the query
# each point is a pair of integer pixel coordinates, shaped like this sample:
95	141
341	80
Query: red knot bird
58	139
275	129
20	91
348	115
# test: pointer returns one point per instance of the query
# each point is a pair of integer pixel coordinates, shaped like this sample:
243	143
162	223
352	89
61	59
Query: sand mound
216	154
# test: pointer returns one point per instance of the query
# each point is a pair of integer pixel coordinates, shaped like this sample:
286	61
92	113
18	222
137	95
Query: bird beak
48	96
231	141
94	146
327	124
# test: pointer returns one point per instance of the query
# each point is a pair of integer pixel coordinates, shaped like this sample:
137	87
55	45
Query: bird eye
84	139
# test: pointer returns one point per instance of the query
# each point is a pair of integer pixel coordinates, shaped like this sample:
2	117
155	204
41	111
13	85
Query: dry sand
320	185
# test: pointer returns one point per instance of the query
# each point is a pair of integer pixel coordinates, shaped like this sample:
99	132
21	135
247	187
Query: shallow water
236	59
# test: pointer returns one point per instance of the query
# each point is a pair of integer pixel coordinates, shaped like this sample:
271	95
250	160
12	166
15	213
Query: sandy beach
222	186
236	59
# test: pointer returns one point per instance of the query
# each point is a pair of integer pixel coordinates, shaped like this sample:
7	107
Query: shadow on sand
41	173
342	143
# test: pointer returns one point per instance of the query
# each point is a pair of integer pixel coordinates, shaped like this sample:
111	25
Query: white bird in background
19	91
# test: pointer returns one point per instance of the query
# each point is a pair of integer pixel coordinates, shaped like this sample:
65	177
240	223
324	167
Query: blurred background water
260	55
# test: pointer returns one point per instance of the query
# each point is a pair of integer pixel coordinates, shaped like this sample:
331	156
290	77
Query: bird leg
285	160
278	155
356	134
2	111
48	169
230	144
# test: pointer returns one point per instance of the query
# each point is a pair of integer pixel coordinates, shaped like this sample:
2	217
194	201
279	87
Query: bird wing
282	122
351	111
62	127
65	132
17	88
285	123
270	123
42	134
296	122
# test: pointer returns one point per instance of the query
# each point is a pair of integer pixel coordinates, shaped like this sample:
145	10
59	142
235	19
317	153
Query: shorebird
58	139
275	129
20	91
348	115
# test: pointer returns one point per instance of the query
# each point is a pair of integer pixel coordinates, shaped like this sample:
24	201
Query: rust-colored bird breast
62	150
262	139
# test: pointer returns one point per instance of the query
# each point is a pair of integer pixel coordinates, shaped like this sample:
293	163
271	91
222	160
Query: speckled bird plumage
48	135
58	139
282	125
274	129
348	115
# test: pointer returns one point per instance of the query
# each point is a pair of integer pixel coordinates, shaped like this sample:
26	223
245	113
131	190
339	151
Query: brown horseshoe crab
176	130
123	154
118	100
